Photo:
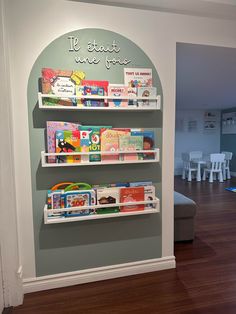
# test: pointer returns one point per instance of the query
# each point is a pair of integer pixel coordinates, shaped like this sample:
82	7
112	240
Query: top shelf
157	106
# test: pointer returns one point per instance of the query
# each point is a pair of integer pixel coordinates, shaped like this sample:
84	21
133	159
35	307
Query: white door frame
11	269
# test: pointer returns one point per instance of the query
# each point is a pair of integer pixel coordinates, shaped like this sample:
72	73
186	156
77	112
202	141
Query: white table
199	163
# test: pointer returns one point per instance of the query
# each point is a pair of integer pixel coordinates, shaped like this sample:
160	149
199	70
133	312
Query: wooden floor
204	281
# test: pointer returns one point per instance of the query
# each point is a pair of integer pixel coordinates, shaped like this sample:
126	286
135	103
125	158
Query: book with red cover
99	84
132	194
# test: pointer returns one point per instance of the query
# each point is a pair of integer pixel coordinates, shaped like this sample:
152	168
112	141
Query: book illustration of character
65	146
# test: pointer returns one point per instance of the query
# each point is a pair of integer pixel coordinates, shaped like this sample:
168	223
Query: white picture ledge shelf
157	105
53	220
45	163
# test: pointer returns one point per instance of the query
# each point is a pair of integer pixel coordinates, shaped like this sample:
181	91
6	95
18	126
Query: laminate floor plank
204	281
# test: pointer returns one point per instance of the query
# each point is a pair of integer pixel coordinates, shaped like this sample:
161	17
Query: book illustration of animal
65	146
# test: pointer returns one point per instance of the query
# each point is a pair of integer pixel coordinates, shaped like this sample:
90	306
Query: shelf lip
103	152
69	209
44	162
100	216
157	106
96	97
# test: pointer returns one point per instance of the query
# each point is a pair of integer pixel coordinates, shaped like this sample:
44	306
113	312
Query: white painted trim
13	290
97	274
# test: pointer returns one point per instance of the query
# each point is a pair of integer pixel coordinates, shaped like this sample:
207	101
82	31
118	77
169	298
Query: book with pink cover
110	142
52	127
118	90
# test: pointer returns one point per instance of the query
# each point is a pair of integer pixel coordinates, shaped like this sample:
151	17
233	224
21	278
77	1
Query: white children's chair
226	169
214	167
195	155
188	168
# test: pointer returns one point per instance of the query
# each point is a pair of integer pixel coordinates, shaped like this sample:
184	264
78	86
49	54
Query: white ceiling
224	9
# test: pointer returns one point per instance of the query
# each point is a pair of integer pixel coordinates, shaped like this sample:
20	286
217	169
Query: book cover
110	142
77	199
61	83
147	92
94	140
118	90
51	128
93	91
79	91
102	86
138	77
131	143
132	194
149	195
132	93
140	183
108	196
84	145
68	141
148	142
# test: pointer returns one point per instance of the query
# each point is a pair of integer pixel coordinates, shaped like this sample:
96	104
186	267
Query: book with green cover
131	143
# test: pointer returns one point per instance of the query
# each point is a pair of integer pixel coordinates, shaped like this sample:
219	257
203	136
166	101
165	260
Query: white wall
32	24
200	139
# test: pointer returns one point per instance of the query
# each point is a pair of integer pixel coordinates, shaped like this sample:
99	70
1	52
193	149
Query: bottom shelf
55	220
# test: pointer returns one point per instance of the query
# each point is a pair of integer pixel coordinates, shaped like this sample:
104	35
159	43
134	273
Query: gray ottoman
184	213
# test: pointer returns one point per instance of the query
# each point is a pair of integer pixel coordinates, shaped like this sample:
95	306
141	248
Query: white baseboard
97	274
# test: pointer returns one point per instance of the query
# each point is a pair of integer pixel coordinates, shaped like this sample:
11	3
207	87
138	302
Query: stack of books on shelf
137	84
67	137
104	195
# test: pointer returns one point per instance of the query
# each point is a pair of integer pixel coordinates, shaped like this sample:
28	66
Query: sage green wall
80	245
228	142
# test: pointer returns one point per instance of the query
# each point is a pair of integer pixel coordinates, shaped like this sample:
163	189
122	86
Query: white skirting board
97	274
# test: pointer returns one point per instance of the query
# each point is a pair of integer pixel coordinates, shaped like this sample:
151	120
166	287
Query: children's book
61	83
148	142
79	91
147	92
79	198
108	196
68	141
94	140
132	194
93	91
132	93
149	195
131	143
140	183
137	77
52	127
93	87
84	145
110	142
118	90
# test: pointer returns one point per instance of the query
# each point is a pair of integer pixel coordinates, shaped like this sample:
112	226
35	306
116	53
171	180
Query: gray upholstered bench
184	213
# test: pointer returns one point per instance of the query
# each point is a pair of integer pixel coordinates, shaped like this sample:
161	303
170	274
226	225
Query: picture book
110	142
148	142
118	90
108	196
132	93
78	198
132	194
84	145
131	143
79	91
149	195
68	141
54	202
101	87
51	128
147	92
93	91
137	77
94	140
61	83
